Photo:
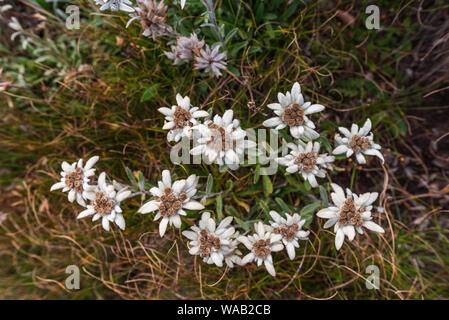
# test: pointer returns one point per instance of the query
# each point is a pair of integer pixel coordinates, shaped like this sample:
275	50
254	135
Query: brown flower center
170	203
182	118
359	143
207	243
153	15
220	139
262	248
287	232
74	180
293	115
350	215
307	160
102	204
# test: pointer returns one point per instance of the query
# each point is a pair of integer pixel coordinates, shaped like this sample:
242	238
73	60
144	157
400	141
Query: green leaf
307	185
256	174
270	16
230	211
323	194
219	201
307	212
267	185
131	177
264	206
209	184
141	181
244	224
231	34
283	205
149	93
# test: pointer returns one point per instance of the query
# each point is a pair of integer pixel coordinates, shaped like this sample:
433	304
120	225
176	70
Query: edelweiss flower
290	230
115	5
185	48
222	141
350	212
261	244
356	141
306	159
210	242
171	199
292	111
106	204
211	60
75	179
152	16
181	118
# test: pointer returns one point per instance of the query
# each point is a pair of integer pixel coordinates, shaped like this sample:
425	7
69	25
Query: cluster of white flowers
215	244
104	198
350	213
222	141
305	157
272	238
152	15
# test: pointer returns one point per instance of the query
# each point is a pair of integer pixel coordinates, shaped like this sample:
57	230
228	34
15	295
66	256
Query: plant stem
354	169
210	9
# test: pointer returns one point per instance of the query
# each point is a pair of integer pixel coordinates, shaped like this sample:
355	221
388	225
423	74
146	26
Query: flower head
222	141
212	243
105	204
349	213
115	5
152	15
181	118
211	60
306	159
292	111
185	48
75	180
262	244
290	228
170	200
357	141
